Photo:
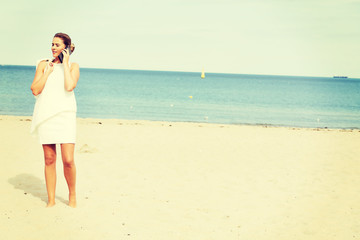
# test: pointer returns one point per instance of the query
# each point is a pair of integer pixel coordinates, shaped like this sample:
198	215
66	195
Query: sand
160	180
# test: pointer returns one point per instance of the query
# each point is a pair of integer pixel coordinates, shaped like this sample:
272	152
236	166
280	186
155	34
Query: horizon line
154	70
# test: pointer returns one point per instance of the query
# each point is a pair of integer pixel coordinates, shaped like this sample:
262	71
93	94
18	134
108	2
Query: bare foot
50	204
72	201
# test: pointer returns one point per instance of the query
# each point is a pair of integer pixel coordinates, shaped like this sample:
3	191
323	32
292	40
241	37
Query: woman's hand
66	54
50	67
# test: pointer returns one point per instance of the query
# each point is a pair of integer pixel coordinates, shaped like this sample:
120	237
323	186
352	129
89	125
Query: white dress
54	117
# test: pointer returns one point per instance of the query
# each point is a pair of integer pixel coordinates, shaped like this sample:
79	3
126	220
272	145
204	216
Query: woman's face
57	46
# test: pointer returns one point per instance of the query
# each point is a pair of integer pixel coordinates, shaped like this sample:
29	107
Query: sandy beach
165	180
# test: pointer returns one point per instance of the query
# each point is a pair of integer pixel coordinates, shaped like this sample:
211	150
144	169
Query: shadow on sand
31	185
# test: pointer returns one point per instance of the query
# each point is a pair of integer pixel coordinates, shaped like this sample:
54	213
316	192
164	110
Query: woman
54	117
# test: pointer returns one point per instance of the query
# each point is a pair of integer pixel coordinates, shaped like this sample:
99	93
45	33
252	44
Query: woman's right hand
50	67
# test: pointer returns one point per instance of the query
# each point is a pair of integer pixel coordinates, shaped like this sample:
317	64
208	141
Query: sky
277	37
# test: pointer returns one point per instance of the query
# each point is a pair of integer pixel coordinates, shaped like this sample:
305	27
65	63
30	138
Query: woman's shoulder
42	62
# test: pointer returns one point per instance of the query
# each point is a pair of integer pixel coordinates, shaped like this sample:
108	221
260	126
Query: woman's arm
72	75
41	77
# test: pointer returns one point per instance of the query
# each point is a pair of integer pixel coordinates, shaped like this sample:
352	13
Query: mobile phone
61	55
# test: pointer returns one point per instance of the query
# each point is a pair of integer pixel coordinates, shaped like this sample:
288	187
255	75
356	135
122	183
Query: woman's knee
67	152
49	154
68	161
50	159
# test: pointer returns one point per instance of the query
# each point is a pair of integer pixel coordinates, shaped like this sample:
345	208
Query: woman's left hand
66	54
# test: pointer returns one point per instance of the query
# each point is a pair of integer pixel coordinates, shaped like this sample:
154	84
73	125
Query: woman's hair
66	39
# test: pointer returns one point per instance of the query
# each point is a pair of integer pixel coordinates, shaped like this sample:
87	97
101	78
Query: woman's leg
50	172
67	153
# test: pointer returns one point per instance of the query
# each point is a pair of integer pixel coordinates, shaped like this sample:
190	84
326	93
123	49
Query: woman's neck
56	60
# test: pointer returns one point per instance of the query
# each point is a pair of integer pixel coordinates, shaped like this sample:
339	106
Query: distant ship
340	77
203	74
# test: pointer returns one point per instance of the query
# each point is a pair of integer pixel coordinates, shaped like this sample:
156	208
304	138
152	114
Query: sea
244	99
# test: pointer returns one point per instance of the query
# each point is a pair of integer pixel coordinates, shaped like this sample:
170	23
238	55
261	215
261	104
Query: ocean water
185	97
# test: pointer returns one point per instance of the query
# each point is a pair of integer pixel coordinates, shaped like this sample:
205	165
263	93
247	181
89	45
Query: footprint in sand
87	149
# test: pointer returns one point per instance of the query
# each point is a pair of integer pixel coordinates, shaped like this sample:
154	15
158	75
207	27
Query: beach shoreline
176	180
163	123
